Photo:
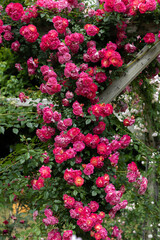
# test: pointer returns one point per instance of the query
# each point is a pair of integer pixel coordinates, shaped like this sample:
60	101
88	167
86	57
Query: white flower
75	238
150	236
155	134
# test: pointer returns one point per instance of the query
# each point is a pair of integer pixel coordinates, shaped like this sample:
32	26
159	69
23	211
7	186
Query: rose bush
68	176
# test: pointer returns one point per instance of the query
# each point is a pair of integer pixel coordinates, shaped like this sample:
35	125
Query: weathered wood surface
134	68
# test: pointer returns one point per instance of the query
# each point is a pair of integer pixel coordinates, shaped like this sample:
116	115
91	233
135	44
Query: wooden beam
134	68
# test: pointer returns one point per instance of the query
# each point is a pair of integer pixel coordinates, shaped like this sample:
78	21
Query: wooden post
134	68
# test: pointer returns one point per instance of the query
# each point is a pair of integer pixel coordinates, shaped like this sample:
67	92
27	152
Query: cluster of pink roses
30	12
45	133
99	129
108	56
73	136
23	97
50	116
100	77
60	24
85	86
45	157
117	233
15	46
63	53
91	29
37	184
58	6
15	11
121	33
52	86
129	7
32	65
149	38
98	13
47	72
102	181
111	57
129	121
92	54
29	33
77	109
45	172
6	29
55	234
71	143
113	197
73	177
117	207
71	71
50	220
86	217
133	175
101	110
97	161
50	41
73	41
104	148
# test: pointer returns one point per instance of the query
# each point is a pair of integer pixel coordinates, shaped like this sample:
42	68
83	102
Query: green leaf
27	155
46	194
75	192
29	124
55	208
11	197
2	130
22	161
15	130
88	121
94	193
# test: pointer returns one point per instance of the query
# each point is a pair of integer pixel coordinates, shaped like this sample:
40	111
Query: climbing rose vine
73	59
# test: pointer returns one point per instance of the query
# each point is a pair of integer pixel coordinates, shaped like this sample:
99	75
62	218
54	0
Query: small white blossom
75	238
150	236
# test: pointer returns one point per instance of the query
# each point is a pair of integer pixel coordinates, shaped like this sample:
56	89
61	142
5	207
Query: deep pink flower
91	30
15	46
14	10
45	171
23	97
149	38
89	169
67	234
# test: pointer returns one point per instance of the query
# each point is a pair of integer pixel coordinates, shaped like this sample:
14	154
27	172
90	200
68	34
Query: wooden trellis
134	68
